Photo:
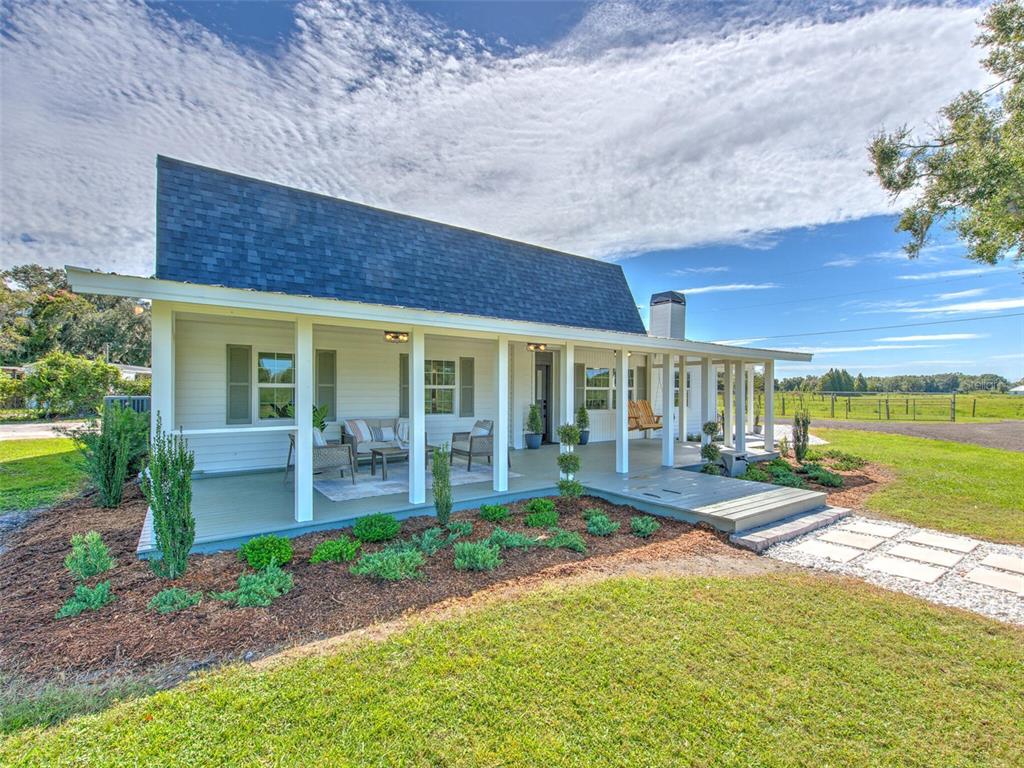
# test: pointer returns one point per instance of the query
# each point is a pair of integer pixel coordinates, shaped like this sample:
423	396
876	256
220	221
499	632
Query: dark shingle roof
217	228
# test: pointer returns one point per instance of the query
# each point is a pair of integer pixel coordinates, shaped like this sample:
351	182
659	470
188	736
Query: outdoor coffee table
384	454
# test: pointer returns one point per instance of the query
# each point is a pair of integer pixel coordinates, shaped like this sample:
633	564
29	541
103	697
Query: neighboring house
1019	390
133	372
267	296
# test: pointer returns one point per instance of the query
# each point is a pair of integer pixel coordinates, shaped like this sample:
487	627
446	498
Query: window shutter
327	382
467	386
403	386
580	394
239	384
640	378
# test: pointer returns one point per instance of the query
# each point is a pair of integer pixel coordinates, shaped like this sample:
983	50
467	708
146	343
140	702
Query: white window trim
260	385
609	390
454	387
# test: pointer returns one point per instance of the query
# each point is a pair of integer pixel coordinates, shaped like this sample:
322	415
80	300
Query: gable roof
218	228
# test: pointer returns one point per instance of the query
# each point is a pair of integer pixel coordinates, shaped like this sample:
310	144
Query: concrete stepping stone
955	543
1004	562
850	539
925	554
872	529
906	568
832	551
1011	582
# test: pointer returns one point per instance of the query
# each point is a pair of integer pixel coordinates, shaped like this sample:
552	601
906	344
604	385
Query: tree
970	172
64	384
861	384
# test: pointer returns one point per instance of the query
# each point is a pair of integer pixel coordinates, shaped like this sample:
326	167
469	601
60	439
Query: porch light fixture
534	347
396	337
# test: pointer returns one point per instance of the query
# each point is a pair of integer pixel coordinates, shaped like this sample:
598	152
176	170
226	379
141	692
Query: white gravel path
951	588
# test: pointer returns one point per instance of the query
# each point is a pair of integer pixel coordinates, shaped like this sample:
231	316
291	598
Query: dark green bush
461	528
801	434
711	469
88	557
86	599
379	527
390	564
494	513
433	540
570	489
756	474
643	526
174	599
442	487
601	525
783	475
339	550
539	505
569	463
114	452
839	459
711	452
822	476
544	519
264	550
507	540
562	539
258	590
167	485
477	556
591	511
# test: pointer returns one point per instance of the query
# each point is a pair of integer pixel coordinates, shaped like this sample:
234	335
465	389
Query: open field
37	473
909	406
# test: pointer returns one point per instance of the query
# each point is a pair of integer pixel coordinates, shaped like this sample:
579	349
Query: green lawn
983	406
767	671
952	487
37	473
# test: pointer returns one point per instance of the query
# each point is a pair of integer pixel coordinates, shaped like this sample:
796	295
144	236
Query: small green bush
570	489
379	527
339	550
756	474
582	418
258	590
801	434
839	459
460	528
167	485
784	476
494	513
115	451
477	556
601	525
89	556
568	434
390	564
507	540
442	487
643	526
591	511
545	519
264	550
432	540
563	539
174	599
711	452
569	463
711	469
709	428
539	505
86	599
822	476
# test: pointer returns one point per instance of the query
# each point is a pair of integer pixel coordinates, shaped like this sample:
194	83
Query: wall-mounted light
535	347
396	337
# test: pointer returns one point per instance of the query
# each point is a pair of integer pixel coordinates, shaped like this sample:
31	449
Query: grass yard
37	473
948	486
767	671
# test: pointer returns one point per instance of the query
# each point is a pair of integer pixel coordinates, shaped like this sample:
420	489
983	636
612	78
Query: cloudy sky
714	148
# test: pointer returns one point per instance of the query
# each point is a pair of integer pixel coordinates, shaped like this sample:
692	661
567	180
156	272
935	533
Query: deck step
760	538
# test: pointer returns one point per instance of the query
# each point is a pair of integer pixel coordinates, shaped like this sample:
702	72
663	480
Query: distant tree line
840	380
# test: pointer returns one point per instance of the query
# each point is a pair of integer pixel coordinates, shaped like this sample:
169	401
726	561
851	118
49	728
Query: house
269	300
1018	390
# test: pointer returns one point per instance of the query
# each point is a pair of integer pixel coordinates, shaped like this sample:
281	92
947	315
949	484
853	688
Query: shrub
64	384
140	387
477	556
783	475
379	527
390	564
540	505
801	434
643	526
442	487
569	463
258	590
783	446
115	451
507	540
711	469
88	557
12	391
174	599
711	452
601	525
167	485
494	513
570	489
86	599
534	425
563	539
822	476
582	418
432	540
839	459
339	550
460	528
264	550
709	428
756	474
541	519
591	511
569	435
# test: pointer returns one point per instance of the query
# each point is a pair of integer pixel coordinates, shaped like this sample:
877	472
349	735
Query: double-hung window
275	382
677	387
439	377
597	393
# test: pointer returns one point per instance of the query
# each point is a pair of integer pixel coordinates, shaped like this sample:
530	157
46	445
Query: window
467	385
677	387
275	379
597	389
326	382
439	377
239	378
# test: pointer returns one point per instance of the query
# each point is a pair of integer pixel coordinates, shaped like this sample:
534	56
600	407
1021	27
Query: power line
891	327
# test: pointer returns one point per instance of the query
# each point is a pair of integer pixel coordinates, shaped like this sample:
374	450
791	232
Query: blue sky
707	147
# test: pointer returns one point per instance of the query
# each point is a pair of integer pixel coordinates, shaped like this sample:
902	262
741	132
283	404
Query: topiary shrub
88	557
339	550
711	469
582	418
801	434
562	539
711	452
264	550
477	556
379	527
390	564
442	487
643	526
710	429
86	599
569	463
570	489
601	525
167	485
507	540
173	599
494	513
258	590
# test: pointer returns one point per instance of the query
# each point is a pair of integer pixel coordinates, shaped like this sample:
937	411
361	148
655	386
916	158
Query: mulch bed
326	600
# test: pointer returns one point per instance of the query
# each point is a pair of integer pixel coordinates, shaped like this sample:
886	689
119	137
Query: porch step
758	509
759	539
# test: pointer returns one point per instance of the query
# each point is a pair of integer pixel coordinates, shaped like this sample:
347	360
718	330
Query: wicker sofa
394	434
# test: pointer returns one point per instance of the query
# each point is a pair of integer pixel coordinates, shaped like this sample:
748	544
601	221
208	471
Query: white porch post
750	399
303	419
668	409
741	391
707	397
622	411
162	357
769	405
417	419
727	419
682	397
500	458
569	383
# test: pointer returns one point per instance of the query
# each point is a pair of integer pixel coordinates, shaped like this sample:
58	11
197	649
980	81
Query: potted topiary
583	424
534	427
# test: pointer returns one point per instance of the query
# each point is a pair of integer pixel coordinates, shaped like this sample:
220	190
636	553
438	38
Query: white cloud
1014	356
985	305
846	261
728	288
961	294
936	337
623	138
698	270
953	273
862	348
737	342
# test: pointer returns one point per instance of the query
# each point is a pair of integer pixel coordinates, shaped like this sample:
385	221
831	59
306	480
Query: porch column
769	405
417	419
569	383
741	392
727	406
682	397
500	458
162	357
622	411
668	409
750	399
303	419
707	396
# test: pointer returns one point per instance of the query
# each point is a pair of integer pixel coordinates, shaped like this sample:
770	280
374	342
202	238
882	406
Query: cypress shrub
442	484
167	485
801	434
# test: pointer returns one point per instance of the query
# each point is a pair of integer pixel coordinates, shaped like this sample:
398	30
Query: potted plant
534	427
757	423
583	424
